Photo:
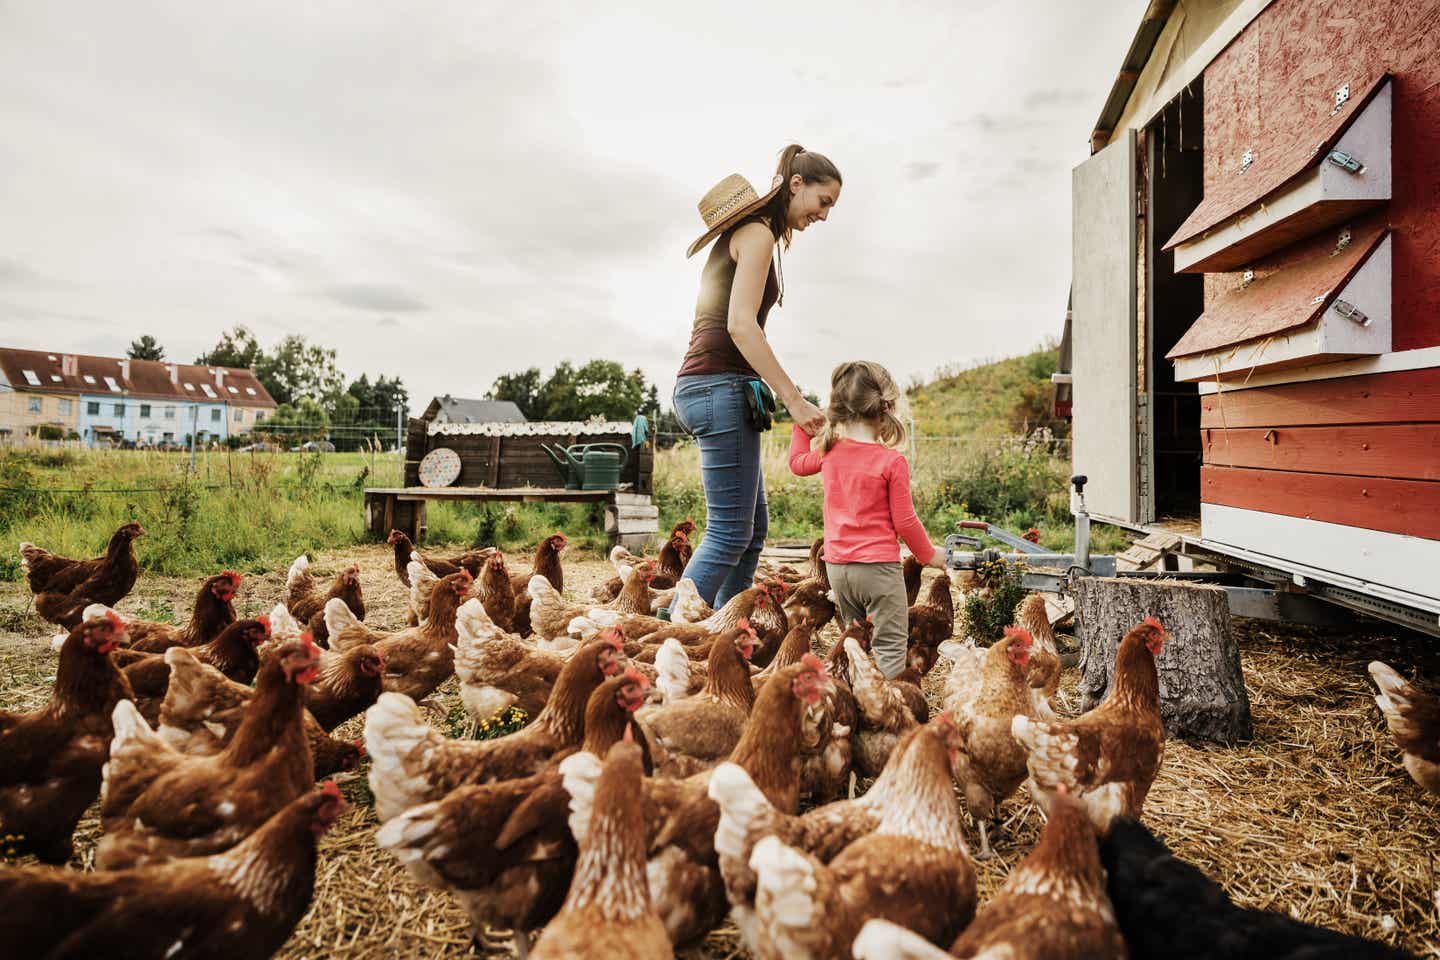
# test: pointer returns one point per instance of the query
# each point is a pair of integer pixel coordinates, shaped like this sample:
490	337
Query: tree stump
1202	689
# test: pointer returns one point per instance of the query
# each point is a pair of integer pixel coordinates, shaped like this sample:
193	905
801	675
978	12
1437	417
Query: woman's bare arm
751	246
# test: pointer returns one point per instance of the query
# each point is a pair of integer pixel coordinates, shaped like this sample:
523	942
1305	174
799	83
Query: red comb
945	718
331	790
232	576
115	619
1020	633
814	663
1152	622
635	676
612	636
264	621
309	641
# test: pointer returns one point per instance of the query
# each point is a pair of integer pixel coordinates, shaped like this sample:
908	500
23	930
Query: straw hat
727	203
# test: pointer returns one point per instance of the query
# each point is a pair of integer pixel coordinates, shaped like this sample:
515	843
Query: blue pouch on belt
759	405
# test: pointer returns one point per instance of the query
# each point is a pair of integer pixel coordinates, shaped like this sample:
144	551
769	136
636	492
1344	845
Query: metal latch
1349	311
1342	159
1342	93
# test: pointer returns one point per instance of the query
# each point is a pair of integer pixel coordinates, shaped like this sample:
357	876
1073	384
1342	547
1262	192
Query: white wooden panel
1103	327
1411	564
1332	336
1423	358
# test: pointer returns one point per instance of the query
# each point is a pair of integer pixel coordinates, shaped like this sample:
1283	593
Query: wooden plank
389	514
1410	507
1275	164
1408	396
633	499
1419	359
492	468
1284	294
627	525
1402	451
1388	559
648	512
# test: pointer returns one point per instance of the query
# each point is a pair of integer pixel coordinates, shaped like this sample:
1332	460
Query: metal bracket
1247	159
1247	278
1344	160
1342	93
1349	311
1342	242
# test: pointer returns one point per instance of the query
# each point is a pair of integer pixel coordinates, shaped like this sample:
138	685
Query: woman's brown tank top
711	348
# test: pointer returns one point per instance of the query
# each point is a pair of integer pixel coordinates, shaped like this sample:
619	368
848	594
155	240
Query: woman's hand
806	415
937	559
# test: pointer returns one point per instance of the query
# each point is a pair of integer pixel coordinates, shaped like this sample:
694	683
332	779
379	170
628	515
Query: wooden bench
631	519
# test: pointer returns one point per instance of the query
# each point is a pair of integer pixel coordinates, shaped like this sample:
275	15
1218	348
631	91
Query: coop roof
463	410
538	428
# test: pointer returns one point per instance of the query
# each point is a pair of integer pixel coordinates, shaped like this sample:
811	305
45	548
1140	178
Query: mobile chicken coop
1255	311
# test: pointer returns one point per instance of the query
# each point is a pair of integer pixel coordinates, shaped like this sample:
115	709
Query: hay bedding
1314	817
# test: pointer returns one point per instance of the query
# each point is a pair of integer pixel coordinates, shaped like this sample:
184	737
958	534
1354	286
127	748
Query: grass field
256	511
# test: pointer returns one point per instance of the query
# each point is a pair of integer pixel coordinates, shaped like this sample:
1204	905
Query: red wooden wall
1276	82
1357	451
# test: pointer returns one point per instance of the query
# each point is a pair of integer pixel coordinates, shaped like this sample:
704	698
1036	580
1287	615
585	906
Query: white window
250	391
110	382
35	405
232	390
208	392
170	412
65	408
119	409
56	378
89	379
145	411
30	378
190	387
239	414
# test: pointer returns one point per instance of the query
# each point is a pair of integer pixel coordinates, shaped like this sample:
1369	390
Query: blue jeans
711	407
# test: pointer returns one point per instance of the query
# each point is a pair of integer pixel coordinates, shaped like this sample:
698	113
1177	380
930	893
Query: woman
728	351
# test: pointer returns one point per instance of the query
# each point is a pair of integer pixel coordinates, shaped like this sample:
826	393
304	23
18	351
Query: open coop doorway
1174	184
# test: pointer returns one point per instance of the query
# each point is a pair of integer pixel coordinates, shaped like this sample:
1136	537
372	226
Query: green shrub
988	616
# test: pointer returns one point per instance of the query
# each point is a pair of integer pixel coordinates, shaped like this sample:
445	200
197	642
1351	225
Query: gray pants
876	590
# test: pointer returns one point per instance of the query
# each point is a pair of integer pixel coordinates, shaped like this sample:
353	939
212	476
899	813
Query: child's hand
937	559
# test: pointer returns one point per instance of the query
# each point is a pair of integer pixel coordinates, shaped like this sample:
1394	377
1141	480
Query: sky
450	191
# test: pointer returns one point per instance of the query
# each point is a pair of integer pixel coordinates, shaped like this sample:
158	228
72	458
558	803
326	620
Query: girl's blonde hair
862	390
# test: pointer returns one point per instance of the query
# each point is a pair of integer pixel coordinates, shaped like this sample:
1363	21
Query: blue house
142	401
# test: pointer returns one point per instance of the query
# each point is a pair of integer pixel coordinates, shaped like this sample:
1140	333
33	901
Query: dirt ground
1314	816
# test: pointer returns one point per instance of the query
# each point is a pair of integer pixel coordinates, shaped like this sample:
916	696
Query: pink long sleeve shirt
867	500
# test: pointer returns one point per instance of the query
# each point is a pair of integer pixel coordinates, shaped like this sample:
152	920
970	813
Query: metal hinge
1247	278
1342	159
1246	159
1349	311
1342	93
1342	242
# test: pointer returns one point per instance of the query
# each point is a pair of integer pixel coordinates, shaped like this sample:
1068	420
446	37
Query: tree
296	369
145	349
237	348
521	389
296	423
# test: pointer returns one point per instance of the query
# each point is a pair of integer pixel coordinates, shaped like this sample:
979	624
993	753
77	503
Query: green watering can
589	466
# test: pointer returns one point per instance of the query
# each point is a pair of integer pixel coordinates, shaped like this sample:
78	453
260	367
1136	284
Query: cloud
13	271
378	297
1055	97
387	322
921	171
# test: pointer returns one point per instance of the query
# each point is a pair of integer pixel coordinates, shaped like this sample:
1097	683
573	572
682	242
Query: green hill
1000	398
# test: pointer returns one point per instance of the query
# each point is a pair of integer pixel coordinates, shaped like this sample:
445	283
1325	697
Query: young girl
867	503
